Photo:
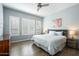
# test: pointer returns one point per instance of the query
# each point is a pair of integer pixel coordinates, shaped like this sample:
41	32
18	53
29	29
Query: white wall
70	19
1	22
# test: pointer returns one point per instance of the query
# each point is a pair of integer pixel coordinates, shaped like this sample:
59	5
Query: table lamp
72	34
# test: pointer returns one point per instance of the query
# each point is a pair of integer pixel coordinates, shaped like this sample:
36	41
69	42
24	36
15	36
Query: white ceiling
44	11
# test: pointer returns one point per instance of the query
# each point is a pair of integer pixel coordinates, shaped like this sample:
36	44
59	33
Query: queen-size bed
52	42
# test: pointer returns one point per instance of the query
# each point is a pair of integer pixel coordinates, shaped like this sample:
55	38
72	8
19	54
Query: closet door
14	25
38	26
28	26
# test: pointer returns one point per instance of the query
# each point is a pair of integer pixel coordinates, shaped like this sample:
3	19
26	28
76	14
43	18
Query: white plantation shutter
38	27
28	26
14	25
24	26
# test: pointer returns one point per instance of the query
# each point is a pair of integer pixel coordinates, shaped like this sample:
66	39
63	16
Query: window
28	26
38	26
24	26
14	25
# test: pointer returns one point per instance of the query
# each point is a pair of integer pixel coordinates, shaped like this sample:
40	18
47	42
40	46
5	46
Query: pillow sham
52	32
59	33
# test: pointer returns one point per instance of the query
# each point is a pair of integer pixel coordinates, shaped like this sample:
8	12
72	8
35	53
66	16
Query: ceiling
44	11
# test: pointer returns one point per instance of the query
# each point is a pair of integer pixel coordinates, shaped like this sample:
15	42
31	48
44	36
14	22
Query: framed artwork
57	22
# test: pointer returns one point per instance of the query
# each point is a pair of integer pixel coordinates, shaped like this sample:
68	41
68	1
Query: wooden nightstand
73	43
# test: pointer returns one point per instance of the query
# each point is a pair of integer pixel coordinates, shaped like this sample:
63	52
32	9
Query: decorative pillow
52	32
59	33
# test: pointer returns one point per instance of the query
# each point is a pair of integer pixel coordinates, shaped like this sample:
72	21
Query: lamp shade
72	33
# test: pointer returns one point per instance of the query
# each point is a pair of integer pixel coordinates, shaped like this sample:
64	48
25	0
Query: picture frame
57	22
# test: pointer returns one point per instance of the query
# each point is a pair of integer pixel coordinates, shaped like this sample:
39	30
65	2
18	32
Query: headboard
65	32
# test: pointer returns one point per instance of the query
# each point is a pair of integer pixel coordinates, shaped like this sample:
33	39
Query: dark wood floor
27	48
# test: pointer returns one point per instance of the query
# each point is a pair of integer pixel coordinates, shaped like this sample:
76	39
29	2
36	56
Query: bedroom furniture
4	47
78	43
51	43
73	43
65	32
72	34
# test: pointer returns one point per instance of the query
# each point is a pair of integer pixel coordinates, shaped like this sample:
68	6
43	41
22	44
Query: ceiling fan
40	5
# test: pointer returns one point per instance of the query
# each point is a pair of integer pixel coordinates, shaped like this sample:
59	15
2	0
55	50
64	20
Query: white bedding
53	43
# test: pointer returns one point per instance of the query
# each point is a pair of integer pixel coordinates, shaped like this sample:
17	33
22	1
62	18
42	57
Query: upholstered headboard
65	32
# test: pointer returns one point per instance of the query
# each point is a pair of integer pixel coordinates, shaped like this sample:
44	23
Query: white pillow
59	33
52	32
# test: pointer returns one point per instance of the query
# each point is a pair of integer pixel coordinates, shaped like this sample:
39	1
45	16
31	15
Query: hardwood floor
27	48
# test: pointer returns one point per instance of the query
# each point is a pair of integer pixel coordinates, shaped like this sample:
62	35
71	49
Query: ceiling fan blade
45	5
40	5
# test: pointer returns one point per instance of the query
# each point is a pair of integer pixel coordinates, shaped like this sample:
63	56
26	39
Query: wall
70	19
7	12
1	22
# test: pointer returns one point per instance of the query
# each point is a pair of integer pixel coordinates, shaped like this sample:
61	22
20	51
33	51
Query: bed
51	43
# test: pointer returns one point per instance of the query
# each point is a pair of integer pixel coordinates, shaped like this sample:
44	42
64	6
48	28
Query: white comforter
53	43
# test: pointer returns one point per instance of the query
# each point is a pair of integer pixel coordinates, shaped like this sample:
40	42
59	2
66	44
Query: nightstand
73	43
